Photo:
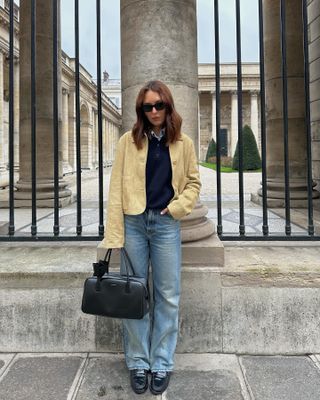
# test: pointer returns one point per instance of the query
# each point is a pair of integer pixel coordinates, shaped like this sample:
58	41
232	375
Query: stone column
113	142
89	140
110	138
44	109
106	141
161	43
234	123
97	140
314	37
296	122
213	116
2	144
65	131
94	137
199	129
72	131
167	51
254	116
16	113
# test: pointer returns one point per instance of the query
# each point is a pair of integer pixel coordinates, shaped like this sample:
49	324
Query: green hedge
211	152
251	156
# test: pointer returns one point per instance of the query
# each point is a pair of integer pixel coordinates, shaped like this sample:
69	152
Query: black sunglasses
147	107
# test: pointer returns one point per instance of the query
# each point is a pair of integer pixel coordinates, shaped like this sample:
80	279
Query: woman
154	183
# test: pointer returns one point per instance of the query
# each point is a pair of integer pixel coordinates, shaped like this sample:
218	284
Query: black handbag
111	294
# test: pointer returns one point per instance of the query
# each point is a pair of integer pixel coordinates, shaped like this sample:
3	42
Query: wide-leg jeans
153	237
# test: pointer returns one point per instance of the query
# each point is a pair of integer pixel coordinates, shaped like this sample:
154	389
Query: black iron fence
34	235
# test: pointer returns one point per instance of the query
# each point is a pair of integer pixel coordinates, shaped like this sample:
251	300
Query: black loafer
139	380
159	381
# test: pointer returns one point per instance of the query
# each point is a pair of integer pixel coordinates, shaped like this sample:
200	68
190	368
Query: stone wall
314	49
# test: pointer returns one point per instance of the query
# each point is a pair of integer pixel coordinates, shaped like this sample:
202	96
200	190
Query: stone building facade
229	105
111	117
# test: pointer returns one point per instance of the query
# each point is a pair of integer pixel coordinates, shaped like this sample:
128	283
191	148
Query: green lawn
224	169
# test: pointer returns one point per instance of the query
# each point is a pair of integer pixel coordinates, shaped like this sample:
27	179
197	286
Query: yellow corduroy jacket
127	191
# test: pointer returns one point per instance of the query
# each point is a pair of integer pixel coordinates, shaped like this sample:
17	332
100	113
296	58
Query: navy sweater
158	174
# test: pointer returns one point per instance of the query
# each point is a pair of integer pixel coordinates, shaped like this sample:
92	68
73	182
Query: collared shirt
161	134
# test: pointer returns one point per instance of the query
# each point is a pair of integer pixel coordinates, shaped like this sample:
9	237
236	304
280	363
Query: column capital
233	92
254	93
65	91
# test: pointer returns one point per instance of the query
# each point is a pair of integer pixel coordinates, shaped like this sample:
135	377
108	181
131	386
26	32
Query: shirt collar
161	134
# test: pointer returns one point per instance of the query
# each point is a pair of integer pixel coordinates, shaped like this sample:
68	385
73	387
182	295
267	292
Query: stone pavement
94	376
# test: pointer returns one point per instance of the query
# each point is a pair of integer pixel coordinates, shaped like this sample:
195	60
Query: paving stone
108	378
39	378
201	385
282	378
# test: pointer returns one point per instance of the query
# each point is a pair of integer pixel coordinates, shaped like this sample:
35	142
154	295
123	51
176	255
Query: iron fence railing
79	235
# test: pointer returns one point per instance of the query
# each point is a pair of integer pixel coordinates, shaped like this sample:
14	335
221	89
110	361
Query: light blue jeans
150	344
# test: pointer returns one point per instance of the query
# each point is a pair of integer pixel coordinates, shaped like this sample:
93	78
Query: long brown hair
172	122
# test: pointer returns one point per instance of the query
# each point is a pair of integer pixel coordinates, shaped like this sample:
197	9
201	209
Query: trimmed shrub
251	156
211	152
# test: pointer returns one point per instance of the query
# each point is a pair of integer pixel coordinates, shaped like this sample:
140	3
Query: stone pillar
72	131
234	123
110	136
44	109
16	114
94	138
296	122
213	116
2	144
113	141
173	38
90	140
161	43
314	52
199	130
65	131
254	116
106	141
97	140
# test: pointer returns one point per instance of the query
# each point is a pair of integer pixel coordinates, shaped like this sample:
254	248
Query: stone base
207	252
26	203
196	225
280	203
4	178
4	227
66	168
240	308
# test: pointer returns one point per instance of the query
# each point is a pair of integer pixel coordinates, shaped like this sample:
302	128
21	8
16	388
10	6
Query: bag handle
102	267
